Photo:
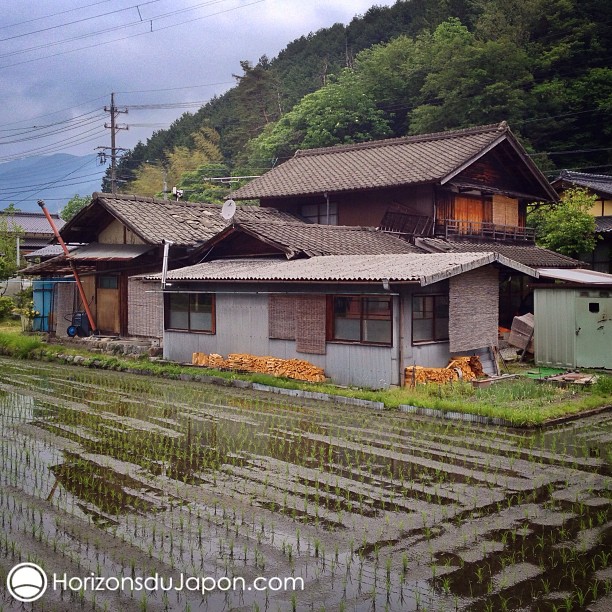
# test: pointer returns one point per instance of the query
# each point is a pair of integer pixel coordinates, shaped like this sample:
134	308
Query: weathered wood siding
116	233
365	208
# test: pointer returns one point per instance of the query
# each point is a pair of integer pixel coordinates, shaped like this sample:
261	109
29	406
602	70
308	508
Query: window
365	320
429	318
191	312
317	213
108	282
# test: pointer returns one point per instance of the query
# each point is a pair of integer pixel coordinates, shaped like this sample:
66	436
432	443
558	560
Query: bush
6	307
603	386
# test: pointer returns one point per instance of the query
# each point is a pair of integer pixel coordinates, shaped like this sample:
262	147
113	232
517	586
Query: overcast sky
60	61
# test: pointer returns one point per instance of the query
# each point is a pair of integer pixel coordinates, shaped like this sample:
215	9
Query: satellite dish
228	209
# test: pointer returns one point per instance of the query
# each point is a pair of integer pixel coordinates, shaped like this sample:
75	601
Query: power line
78	8
69	23
98	44
55	112
52	183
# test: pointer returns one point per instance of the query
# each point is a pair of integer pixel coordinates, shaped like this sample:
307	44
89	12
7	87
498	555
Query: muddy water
111	475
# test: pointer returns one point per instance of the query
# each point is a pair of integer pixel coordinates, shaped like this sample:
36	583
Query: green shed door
593	332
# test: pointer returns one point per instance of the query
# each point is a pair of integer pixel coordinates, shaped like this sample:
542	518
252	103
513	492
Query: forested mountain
418	66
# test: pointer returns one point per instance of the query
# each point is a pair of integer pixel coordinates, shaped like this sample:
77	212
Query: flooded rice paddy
105	474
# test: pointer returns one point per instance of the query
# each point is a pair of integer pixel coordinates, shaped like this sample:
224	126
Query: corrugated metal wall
242	327
555	334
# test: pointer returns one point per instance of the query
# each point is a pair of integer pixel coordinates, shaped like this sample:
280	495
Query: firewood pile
297	369
459	368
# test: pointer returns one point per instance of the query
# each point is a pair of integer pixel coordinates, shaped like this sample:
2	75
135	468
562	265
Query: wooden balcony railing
455	228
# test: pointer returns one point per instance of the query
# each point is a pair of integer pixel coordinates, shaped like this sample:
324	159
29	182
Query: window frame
102	279
321	217
363	311
433	339
189	329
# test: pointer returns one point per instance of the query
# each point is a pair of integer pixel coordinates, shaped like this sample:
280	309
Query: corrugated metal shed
418	268
573	327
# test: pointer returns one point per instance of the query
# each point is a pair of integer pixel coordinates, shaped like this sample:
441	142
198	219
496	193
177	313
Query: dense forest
415	67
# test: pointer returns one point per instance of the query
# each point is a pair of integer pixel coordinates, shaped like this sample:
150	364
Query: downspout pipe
90	318
167	245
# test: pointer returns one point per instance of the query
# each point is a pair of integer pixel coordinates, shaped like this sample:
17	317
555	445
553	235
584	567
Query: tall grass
18	345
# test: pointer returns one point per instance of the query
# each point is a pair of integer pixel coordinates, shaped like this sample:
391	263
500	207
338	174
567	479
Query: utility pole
114	127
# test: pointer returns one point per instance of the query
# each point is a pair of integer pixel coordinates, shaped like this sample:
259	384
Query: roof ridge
373	144
138	198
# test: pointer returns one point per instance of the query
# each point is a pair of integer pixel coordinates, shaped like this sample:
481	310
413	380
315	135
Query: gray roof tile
184	223
528	255
377	164
311	240
598	183
603	224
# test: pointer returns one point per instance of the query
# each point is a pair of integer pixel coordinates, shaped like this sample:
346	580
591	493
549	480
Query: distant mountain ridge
53	178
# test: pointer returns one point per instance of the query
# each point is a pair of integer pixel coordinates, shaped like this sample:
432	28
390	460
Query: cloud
117	52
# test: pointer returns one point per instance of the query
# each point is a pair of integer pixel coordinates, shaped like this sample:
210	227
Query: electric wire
114	40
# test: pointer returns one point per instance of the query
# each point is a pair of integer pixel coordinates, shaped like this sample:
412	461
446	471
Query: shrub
6	307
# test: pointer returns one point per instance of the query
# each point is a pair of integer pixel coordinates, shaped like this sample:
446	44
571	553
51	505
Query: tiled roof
309	239
184	223
528	255
603	224
377	164
422	268
598	183
34	222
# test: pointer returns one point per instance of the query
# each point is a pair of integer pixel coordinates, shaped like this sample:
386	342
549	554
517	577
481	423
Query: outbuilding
573	319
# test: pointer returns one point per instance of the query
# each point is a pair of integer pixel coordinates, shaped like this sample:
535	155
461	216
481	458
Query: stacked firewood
459	368
297	369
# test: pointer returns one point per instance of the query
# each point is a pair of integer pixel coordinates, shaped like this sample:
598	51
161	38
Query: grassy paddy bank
520	402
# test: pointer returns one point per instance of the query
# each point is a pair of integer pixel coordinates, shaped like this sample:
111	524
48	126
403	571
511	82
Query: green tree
180	161
469	81
10	260
566	227
73	206
342	112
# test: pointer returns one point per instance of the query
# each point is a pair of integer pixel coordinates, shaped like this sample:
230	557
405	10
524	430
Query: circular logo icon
26	582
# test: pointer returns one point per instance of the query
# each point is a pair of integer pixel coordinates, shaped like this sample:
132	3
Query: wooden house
456	191
123	237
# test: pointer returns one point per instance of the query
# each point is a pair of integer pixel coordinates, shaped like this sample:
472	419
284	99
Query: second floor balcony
458	228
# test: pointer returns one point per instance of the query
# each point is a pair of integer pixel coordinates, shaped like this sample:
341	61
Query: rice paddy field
107	474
